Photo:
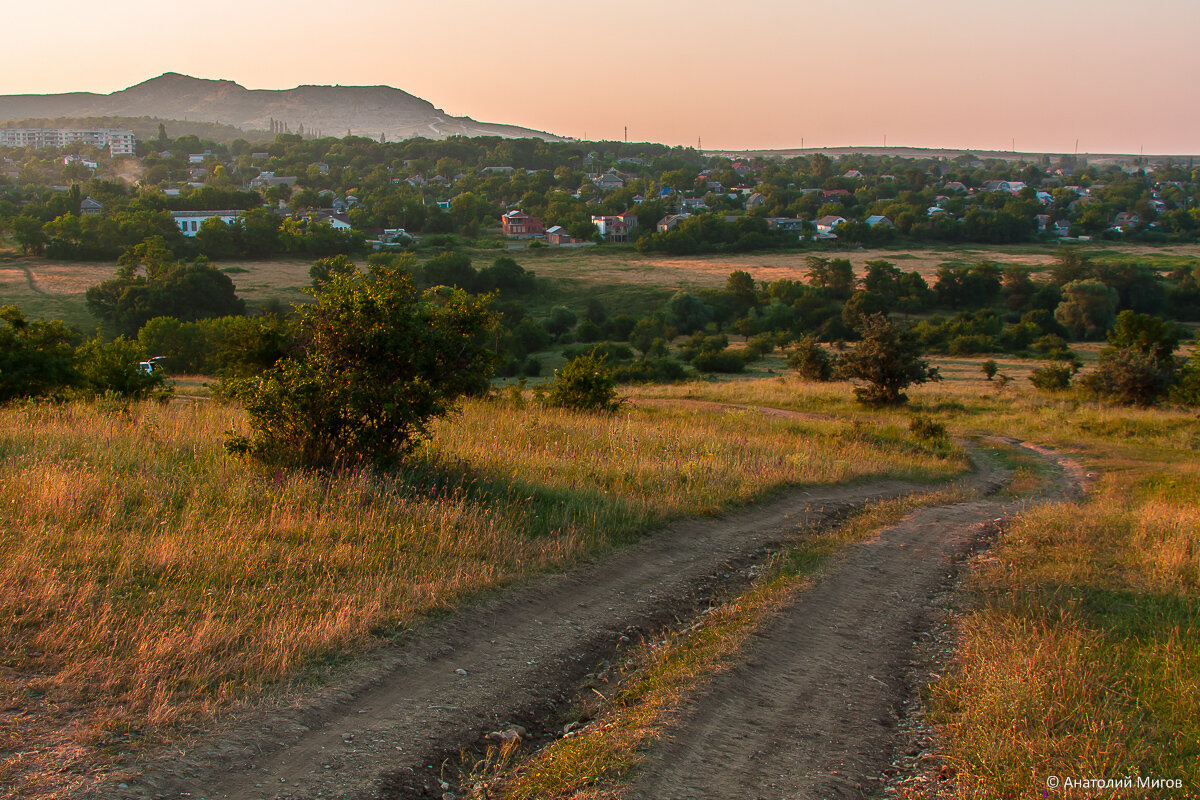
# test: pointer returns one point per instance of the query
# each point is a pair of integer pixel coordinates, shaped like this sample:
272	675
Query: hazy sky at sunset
751	74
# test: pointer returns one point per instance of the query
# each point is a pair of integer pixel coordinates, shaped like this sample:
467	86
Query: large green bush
584	384
36	357
378	360
887	360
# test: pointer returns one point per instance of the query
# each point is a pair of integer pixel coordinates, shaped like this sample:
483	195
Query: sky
1034	75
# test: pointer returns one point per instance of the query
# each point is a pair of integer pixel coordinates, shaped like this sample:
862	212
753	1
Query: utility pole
626	134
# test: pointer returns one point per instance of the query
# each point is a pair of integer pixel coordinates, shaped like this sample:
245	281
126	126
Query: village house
558	237
609	181
670	222
331	217
90	206
87	162
785	224
615	228
189	222
880	220
828	223
1012	187
519	225
267	179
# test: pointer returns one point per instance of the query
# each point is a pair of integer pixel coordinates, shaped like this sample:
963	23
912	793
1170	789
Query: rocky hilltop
331	110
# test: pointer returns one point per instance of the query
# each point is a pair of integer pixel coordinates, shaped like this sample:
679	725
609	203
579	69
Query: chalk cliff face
332	110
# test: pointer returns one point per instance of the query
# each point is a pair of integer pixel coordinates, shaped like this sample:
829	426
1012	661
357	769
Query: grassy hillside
148	580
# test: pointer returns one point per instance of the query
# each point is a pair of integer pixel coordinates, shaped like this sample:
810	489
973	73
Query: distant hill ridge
332	110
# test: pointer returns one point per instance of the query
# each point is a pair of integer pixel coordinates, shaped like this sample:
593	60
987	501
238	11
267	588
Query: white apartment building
119	142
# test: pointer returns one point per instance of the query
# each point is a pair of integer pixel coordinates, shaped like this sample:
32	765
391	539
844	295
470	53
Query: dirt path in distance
386	725
811	710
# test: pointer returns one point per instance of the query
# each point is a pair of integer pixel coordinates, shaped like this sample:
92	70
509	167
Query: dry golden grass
148	581
1080	653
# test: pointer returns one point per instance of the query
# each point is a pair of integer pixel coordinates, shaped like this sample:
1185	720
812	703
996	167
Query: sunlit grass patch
148	580
1081	653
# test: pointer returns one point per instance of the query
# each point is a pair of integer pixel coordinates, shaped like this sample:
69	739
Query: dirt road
387	725
391	722
811	710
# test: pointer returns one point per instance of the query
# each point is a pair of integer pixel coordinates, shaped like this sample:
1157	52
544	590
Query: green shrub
613	351
584	384
36	358
115	368
925	429
810	360
723	361
888	360
650	370
1053	377
325	268
379	361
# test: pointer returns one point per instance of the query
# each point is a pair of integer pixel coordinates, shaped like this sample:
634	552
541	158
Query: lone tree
1138	367
888	359
378	360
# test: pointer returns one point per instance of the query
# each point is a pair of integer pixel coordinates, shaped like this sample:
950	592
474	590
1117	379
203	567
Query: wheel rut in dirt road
388	723
811	709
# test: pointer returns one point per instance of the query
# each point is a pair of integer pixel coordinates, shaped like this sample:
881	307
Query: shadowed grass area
148	580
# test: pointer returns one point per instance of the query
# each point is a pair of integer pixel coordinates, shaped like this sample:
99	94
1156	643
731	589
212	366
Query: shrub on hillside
378	360
888	360
1053	377
115	368
925	429
584	384
36	357
722	361
810	360
650	370
1138	367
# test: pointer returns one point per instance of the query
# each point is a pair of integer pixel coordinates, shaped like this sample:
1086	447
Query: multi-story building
118	141
615	227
